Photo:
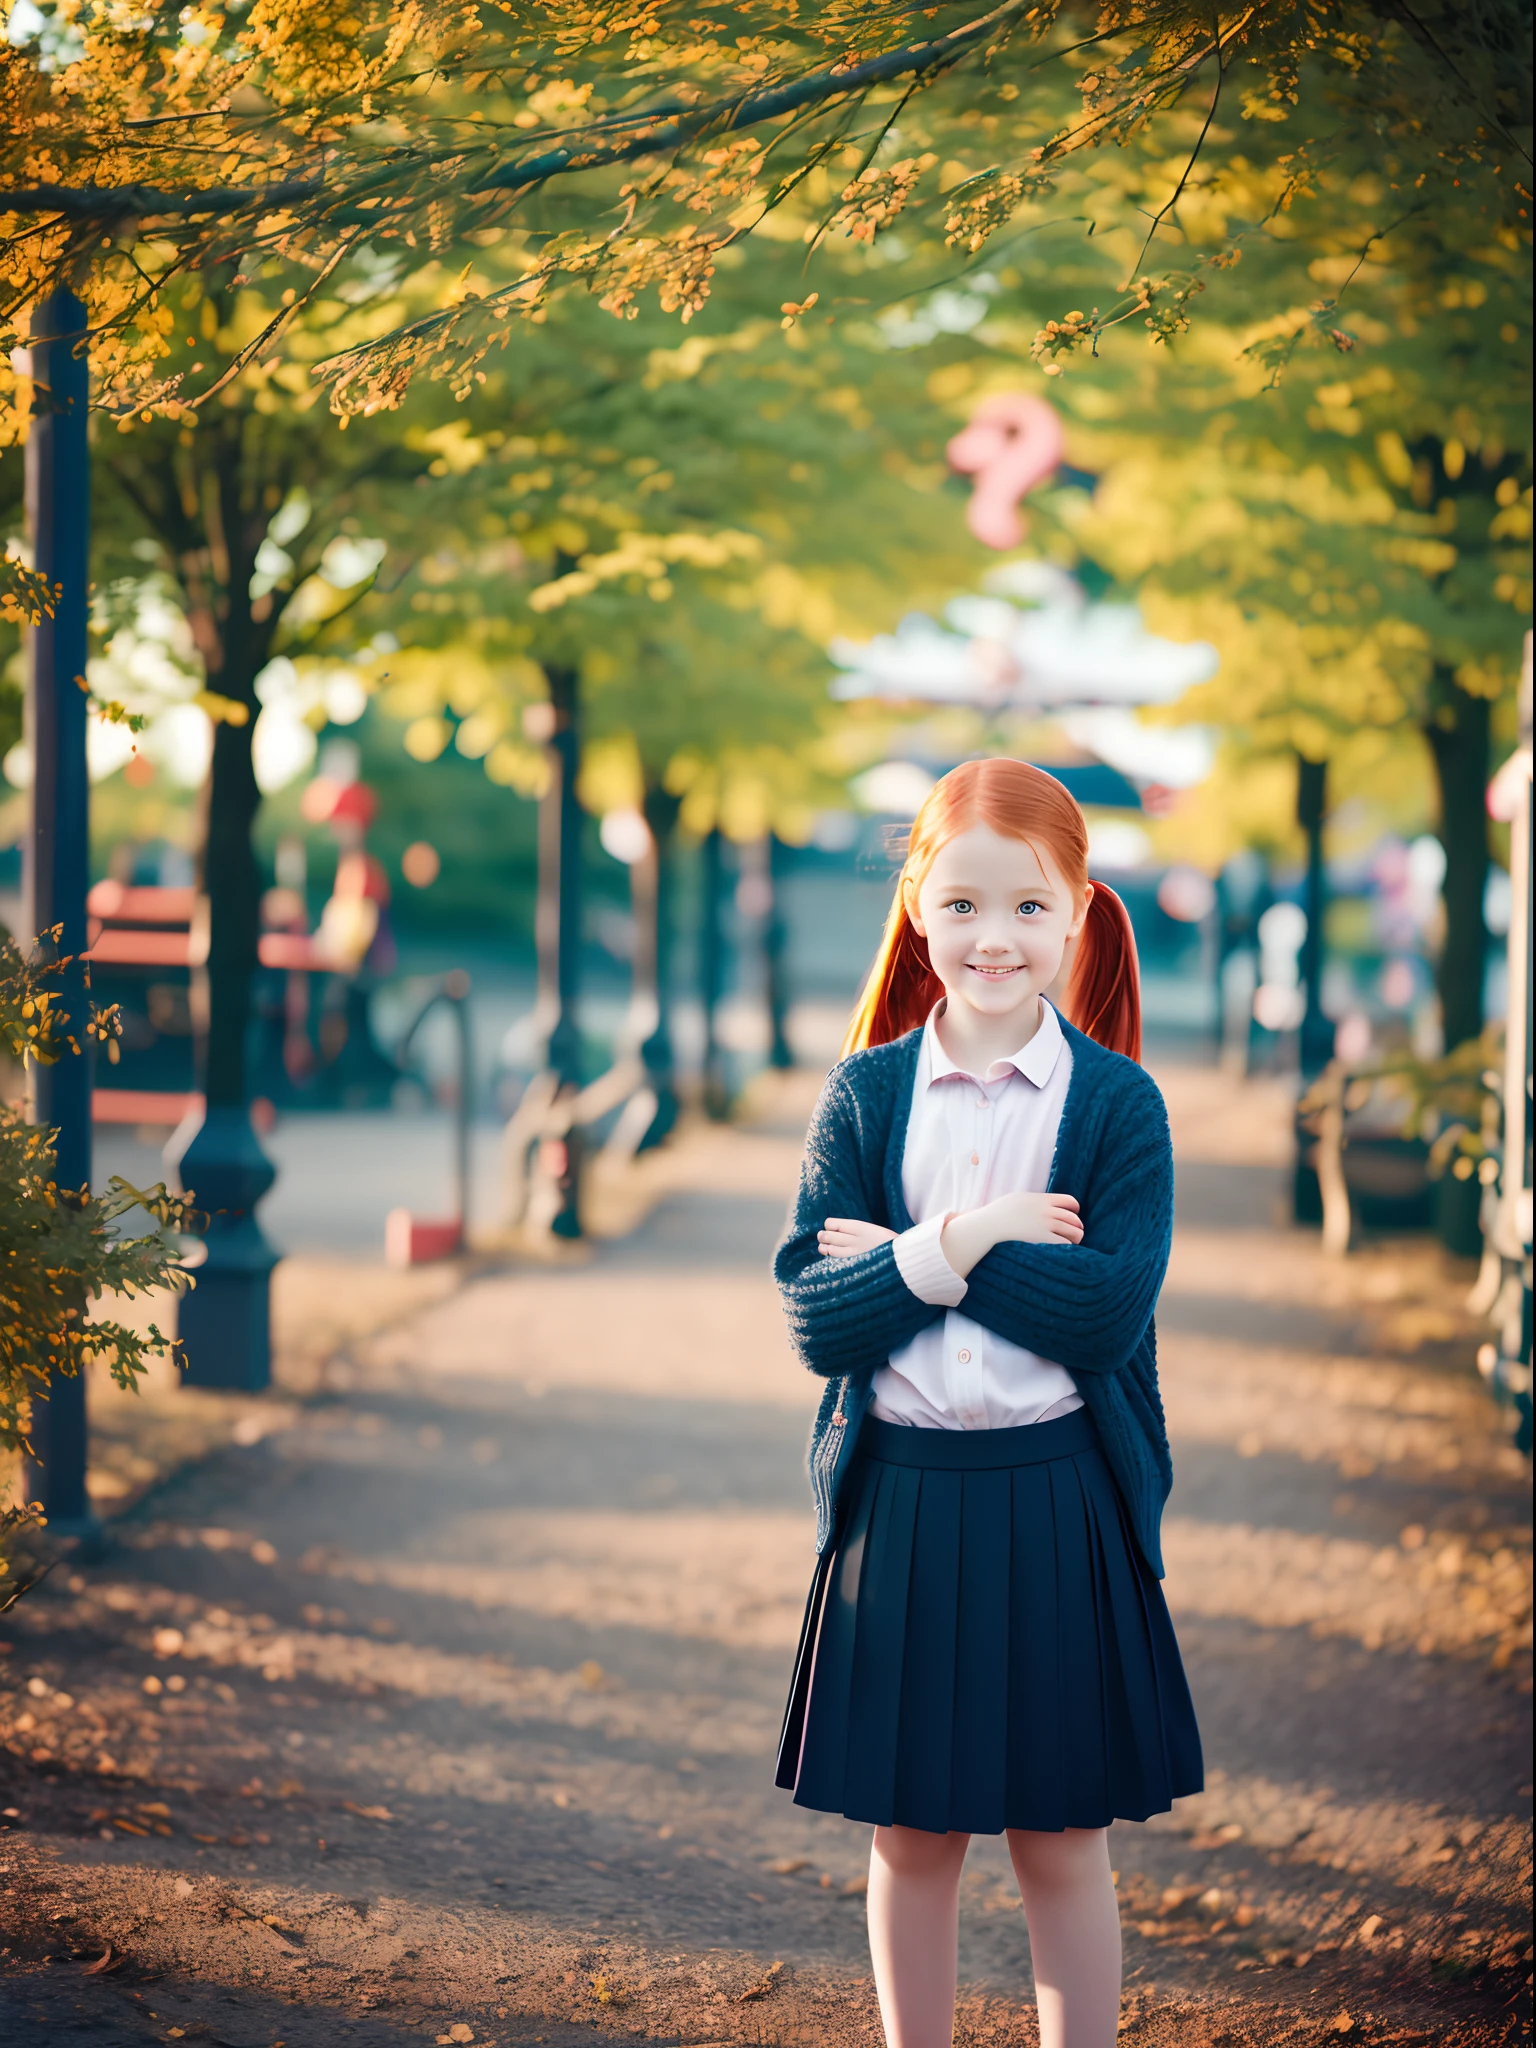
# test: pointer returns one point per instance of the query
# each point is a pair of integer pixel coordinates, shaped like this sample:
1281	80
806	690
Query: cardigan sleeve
844	1315
1087	1306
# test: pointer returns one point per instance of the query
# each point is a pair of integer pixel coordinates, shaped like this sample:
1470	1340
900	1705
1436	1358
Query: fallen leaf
764	1985
788	1865
855	1888
182	1888
609	1991
459	2031
107	1960
1344	2024
367	1812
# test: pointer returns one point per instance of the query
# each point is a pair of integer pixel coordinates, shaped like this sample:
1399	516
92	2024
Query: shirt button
964	1357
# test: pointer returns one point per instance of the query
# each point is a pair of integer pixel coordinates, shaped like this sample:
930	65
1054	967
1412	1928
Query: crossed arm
1036	1272
969	1234
1033	1279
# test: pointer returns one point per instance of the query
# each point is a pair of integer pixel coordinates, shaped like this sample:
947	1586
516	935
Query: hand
844	1237
1037	1219
1017	1219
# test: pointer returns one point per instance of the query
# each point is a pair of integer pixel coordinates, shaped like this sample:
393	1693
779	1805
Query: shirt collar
1036	1061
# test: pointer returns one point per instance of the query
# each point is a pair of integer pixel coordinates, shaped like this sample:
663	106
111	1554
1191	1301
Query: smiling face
997	915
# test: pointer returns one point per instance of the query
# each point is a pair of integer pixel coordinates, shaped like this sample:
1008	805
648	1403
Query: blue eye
1028	905
963	905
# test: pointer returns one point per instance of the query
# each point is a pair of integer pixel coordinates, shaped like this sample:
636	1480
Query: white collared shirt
970	1139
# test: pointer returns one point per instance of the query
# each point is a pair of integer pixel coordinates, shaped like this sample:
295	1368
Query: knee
1077	1857
910	1852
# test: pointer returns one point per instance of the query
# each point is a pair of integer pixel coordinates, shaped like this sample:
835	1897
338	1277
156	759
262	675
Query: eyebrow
973	889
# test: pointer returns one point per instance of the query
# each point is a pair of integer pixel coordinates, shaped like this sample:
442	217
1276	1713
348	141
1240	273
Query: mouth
994	973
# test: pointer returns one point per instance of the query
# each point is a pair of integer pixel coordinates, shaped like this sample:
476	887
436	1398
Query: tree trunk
559	927
1317	1031
215	523
231	886
712	972
781	1053
1458	736
560	877
661	809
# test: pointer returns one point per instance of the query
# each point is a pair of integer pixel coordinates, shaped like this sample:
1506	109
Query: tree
1336	490
1357	543
254	504
668	534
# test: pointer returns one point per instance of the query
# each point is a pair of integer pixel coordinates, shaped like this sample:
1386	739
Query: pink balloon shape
1013	443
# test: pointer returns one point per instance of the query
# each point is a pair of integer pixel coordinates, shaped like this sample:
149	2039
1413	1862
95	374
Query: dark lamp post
58	479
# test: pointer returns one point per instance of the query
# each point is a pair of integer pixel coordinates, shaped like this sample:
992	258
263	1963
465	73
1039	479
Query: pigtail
1104	993
901	989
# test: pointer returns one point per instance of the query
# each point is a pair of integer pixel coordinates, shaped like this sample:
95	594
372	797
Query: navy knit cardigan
1087	1306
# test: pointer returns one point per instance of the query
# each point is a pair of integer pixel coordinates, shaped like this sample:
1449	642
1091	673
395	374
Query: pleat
872	1747
1084	1760
929	1676
1165	1734
819	1781
792	1734
1035	1784
1133	1748
979	1761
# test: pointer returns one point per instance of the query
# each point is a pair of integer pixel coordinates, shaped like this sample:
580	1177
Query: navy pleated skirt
984	1646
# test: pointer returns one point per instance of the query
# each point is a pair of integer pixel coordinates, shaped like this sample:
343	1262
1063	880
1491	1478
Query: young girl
972	1263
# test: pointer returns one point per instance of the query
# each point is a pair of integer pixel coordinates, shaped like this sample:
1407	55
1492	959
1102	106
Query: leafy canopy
628	143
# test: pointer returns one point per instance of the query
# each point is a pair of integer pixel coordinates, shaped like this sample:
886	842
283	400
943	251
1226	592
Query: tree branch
918	59
103	203
125	202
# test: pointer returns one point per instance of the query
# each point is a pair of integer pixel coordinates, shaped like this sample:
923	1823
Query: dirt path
444	1711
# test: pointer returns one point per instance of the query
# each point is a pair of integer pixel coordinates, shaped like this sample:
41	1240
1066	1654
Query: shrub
60	1248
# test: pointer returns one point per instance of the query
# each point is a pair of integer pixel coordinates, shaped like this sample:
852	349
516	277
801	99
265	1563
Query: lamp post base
225	1322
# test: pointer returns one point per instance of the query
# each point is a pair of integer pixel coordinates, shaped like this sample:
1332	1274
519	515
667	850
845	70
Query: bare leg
914	1923
1074	1934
